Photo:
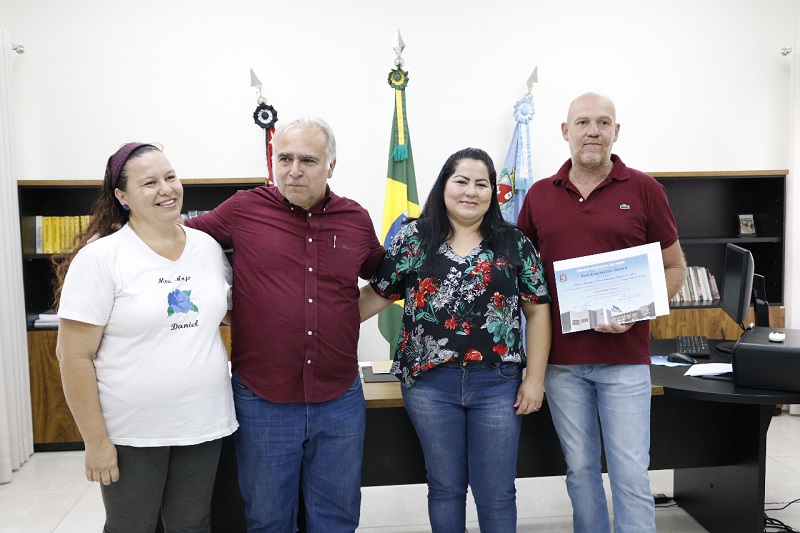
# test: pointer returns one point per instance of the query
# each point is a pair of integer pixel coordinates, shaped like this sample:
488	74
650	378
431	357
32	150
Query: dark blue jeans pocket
509	370
240	390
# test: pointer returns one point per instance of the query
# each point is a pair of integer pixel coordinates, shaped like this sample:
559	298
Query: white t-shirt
162	369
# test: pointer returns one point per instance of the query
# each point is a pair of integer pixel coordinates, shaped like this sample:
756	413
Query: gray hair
311	122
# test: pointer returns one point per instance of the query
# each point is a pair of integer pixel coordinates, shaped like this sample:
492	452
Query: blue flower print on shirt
179	302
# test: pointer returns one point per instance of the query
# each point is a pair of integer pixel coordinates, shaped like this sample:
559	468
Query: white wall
698	85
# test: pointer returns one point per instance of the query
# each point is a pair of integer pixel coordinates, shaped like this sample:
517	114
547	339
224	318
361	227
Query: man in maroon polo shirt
299	250
601	378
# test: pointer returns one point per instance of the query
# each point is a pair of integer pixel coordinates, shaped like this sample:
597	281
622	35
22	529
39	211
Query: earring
125	207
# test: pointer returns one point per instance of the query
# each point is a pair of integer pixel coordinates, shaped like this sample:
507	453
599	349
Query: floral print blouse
459	308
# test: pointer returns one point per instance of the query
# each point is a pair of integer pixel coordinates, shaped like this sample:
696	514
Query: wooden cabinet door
52	420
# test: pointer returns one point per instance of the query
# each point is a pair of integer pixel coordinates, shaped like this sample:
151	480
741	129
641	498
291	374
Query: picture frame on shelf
747	225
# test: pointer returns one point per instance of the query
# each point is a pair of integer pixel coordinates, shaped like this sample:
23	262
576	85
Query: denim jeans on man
620	396
282	448
466	422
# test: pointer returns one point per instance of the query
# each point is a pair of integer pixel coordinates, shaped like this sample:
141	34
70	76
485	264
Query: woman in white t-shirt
144	369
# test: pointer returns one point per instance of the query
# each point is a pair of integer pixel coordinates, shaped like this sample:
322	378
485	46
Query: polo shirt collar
619	172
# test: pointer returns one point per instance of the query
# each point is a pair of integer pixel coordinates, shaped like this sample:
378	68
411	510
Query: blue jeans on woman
583	399
283	448
469	431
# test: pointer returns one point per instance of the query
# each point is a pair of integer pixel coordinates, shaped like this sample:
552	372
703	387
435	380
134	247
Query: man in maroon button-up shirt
299	250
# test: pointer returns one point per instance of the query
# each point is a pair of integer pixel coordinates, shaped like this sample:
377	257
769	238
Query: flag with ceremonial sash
516	176
265	117
401	195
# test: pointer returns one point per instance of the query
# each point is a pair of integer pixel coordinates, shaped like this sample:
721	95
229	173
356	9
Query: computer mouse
681	358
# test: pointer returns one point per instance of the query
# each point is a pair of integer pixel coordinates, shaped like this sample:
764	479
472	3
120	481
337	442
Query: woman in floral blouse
465	274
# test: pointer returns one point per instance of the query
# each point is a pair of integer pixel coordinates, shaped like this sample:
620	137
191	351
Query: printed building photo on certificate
624	286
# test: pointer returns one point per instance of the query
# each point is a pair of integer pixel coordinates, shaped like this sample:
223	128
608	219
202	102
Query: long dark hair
433	222
107	213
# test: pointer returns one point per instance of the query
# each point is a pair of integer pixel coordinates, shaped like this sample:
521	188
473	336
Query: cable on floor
773	525
785	505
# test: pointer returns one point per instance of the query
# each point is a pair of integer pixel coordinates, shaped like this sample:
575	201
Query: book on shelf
51	234
47	235
699	286
47	319
705	284
714	289
31	227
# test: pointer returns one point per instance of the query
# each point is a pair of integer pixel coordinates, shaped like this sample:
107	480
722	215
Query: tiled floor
49	494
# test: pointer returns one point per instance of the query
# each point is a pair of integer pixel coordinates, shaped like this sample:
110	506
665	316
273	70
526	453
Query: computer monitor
737	287
737	283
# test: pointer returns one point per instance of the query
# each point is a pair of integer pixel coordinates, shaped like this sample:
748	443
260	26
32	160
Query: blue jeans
469	432
620	396
282	448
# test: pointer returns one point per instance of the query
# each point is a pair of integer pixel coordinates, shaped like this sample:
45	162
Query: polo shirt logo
624	206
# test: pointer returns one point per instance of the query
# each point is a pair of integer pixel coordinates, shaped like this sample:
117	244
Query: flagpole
400	201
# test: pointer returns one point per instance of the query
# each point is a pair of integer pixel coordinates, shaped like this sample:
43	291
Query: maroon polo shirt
629	208
295	327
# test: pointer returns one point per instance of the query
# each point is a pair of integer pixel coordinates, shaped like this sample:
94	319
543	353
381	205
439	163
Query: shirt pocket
340	259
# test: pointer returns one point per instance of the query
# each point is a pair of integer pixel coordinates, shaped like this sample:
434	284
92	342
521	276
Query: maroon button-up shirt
295	328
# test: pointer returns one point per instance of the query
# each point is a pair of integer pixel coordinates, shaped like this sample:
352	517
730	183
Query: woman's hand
101	462
529	396
537	334
76	348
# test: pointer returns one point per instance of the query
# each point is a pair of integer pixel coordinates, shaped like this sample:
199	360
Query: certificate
624	286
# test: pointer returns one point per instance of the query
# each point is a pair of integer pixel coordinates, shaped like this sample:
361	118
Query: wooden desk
712	433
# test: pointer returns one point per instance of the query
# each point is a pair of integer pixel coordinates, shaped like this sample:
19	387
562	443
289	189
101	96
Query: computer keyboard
694	345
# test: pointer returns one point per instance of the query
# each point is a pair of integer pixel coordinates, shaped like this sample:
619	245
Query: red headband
117	161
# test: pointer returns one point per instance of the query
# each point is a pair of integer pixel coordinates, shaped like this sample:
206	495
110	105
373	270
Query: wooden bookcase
53	426
706	206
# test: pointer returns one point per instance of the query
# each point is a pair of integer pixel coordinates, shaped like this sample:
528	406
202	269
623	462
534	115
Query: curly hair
107	213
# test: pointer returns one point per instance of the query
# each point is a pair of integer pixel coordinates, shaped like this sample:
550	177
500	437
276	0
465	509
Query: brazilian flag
401	195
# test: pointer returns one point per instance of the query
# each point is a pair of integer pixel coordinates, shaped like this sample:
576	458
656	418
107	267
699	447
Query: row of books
699	286
50	234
